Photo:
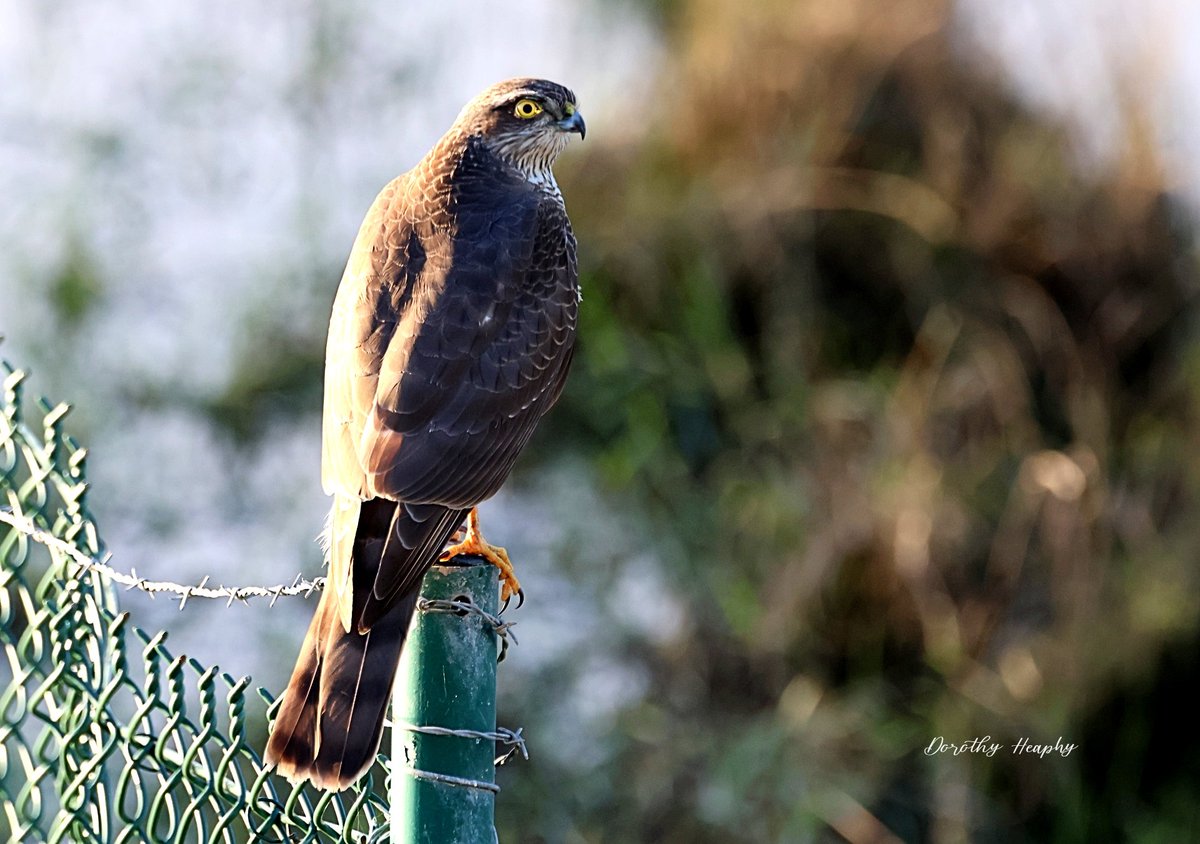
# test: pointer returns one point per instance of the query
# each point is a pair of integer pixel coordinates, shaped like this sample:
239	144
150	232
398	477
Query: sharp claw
473	544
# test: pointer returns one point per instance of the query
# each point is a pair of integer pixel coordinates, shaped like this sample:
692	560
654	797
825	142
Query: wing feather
451	334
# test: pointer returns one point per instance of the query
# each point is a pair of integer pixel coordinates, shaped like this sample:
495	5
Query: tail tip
299	771
299	775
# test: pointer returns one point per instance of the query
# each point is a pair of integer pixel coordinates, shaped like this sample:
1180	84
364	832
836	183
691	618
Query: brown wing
370	302
451	336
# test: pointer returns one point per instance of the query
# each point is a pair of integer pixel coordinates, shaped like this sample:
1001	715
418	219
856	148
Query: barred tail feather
331	719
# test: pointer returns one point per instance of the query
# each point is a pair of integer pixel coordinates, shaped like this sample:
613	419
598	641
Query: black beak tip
574	123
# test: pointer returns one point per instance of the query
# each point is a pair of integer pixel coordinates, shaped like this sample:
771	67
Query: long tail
331	718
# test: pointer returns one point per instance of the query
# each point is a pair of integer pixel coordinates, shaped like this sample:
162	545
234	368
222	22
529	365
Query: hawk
451	335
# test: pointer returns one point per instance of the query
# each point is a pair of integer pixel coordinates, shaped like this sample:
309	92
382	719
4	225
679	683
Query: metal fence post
443	787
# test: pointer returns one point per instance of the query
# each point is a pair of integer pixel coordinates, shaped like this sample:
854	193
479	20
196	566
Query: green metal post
442	787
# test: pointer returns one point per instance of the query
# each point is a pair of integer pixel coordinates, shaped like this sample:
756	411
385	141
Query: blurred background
883	425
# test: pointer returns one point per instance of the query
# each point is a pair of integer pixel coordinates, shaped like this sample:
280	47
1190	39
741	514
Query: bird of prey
451	335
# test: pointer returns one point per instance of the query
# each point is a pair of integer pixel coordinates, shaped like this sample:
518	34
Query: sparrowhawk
451	335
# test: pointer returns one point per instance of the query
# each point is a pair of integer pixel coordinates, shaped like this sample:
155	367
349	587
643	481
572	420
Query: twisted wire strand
184	592
512	738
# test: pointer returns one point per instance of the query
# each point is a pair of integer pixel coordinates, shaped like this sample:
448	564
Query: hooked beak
573	123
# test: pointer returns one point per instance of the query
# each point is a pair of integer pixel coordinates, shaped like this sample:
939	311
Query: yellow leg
474	543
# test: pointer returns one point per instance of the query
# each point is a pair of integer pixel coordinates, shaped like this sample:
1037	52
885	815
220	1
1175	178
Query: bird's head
527	122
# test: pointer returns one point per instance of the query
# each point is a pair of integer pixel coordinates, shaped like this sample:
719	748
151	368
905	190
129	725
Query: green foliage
75	290
911	403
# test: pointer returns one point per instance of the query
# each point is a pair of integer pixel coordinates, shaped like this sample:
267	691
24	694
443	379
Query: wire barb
513	738
503	629
300	586
184	592
504	735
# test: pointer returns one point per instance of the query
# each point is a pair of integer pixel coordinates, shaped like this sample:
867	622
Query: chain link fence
104	735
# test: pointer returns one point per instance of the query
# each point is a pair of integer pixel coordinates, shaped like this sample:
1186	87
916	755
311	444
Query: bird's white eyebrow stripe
524	93
532	94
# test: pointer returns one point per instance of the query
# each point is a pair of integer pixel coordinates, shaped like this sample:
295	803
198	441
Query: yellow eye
527	109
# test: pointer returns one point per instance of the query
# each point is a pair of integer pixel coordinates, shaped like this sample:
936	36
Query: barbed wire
500	734
502	628
185	592
446	779
301	586
512	738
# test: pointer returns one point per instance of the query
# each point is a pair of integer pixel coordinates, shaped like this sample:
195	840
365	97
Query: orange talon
474	543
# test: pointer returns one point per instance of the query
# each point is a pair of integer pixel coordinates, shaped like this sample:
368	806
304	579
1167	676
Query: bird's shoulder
460	193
